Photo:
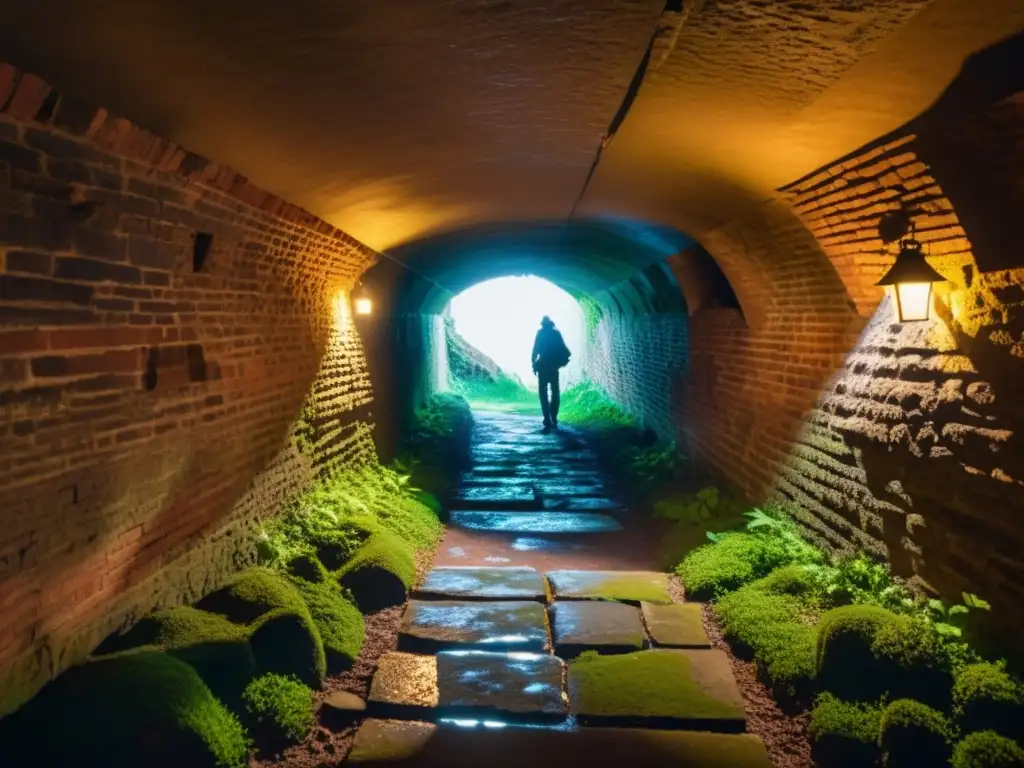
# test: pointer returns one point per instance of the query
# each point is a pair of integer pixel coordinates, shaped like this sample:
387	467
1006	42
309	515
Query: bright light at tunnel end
500	317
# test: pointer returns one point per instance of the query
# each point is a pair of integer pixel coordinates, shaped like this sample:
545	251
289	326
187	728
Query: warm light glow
340	310
913	301
501	317
364	306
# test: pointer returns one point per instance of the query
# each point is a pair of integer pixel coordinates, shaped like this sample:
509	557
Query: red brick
29	95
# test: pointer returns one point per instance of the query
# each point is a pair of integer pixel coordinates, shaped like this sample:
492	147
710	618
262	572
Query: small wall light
361	301
911	277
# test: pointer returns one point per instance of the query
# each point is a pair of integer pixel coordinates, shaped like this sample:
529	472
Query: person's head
547	322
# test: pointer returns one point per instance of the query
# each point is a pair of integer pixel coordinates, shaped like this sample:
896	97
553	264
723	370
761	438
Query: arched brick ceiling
398	121
581	256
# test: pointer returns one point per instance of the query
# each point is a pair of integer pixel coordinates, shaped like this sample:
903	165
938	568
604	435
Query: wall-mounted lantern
912	278
361	302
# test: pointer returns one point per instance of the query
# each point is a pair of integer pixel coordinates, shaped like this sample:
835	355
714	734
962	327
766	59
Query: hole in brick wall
674	6
149	377
196	362
201	250
49	107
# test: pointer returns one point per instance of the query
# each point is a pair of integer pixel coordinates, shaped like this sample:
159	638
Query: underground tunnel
272	496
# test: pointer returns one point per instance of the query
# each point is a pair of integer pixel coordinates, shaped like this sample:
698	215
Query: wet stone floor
539	569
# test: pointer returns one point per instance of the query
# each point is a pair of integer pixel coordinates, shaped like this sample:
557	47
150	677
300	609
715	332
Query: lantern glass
913	301
364	306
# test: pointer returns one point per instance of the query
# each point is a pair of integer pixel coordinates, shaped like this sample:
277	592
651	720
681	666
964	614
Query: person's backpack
561	354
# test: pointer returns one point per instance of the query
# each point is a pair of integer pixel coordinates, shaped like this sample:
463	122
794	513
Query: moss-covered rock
280	708
251	594
865	652
335	547
339	622
913	735
775	630
308	568
845	734
286	641
380	572
127	709
987	749
985	697
215	647
737	559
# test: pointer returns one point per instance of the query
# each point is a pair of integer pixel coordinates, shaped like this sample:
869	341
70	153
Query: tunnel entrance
490	333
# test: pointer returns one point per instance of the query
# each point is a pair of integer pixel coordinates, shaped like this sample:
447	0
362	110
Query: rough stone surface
685	688
501	685
419	745
390	741
536	522
507	625
604	627
404	680
625	586
484	583
680	625
343	701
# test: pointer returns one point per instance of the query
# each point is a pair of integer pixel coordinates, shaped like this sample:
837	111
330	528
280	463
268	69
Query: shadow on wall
917	451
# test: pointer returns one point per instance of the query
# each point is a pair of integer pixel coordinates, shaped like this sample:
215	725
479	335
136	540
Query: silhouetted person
549	354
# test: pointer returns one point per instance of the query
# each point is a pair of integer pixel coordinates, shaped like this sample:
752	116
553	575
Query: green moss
913	734
633	589
846	664
216	648
281	706
380	572
335	547
286	641
985	697
737	559
845	734
587	405
777	630
651	684
987	749
252	594
412	520
339	622
126	710
308	568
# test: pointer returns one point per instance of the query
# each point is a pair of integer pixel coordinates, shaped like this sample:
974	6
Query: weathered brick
148	252
29	262
19	157
17	288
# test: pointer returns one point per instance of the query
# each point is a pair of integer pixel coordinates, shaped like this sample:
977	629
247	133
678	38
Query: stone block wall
161	322
914	449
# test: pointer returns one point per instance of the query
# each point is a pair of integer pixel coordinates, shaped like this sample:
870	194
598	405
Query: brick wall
915	450
147	385
641	361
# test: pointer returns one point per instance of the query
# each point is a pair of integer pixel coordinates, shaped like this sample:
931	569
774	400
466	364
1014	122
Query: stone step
692	689
506	496
521	687
483	583
596	626
623	586
680	625
536	521
425	745
581	504
429	626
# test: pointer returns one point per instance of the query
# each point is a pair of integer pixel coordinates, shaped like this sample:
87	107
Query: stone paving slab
582	504
624	586
534	521
692	689
680	625
405	681
501	685
483	583
598	626
429	626
466	684
424	745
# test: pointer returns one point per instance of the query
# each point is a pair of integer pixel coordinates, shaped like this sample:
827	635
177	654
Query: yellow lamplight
364	306
911	277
